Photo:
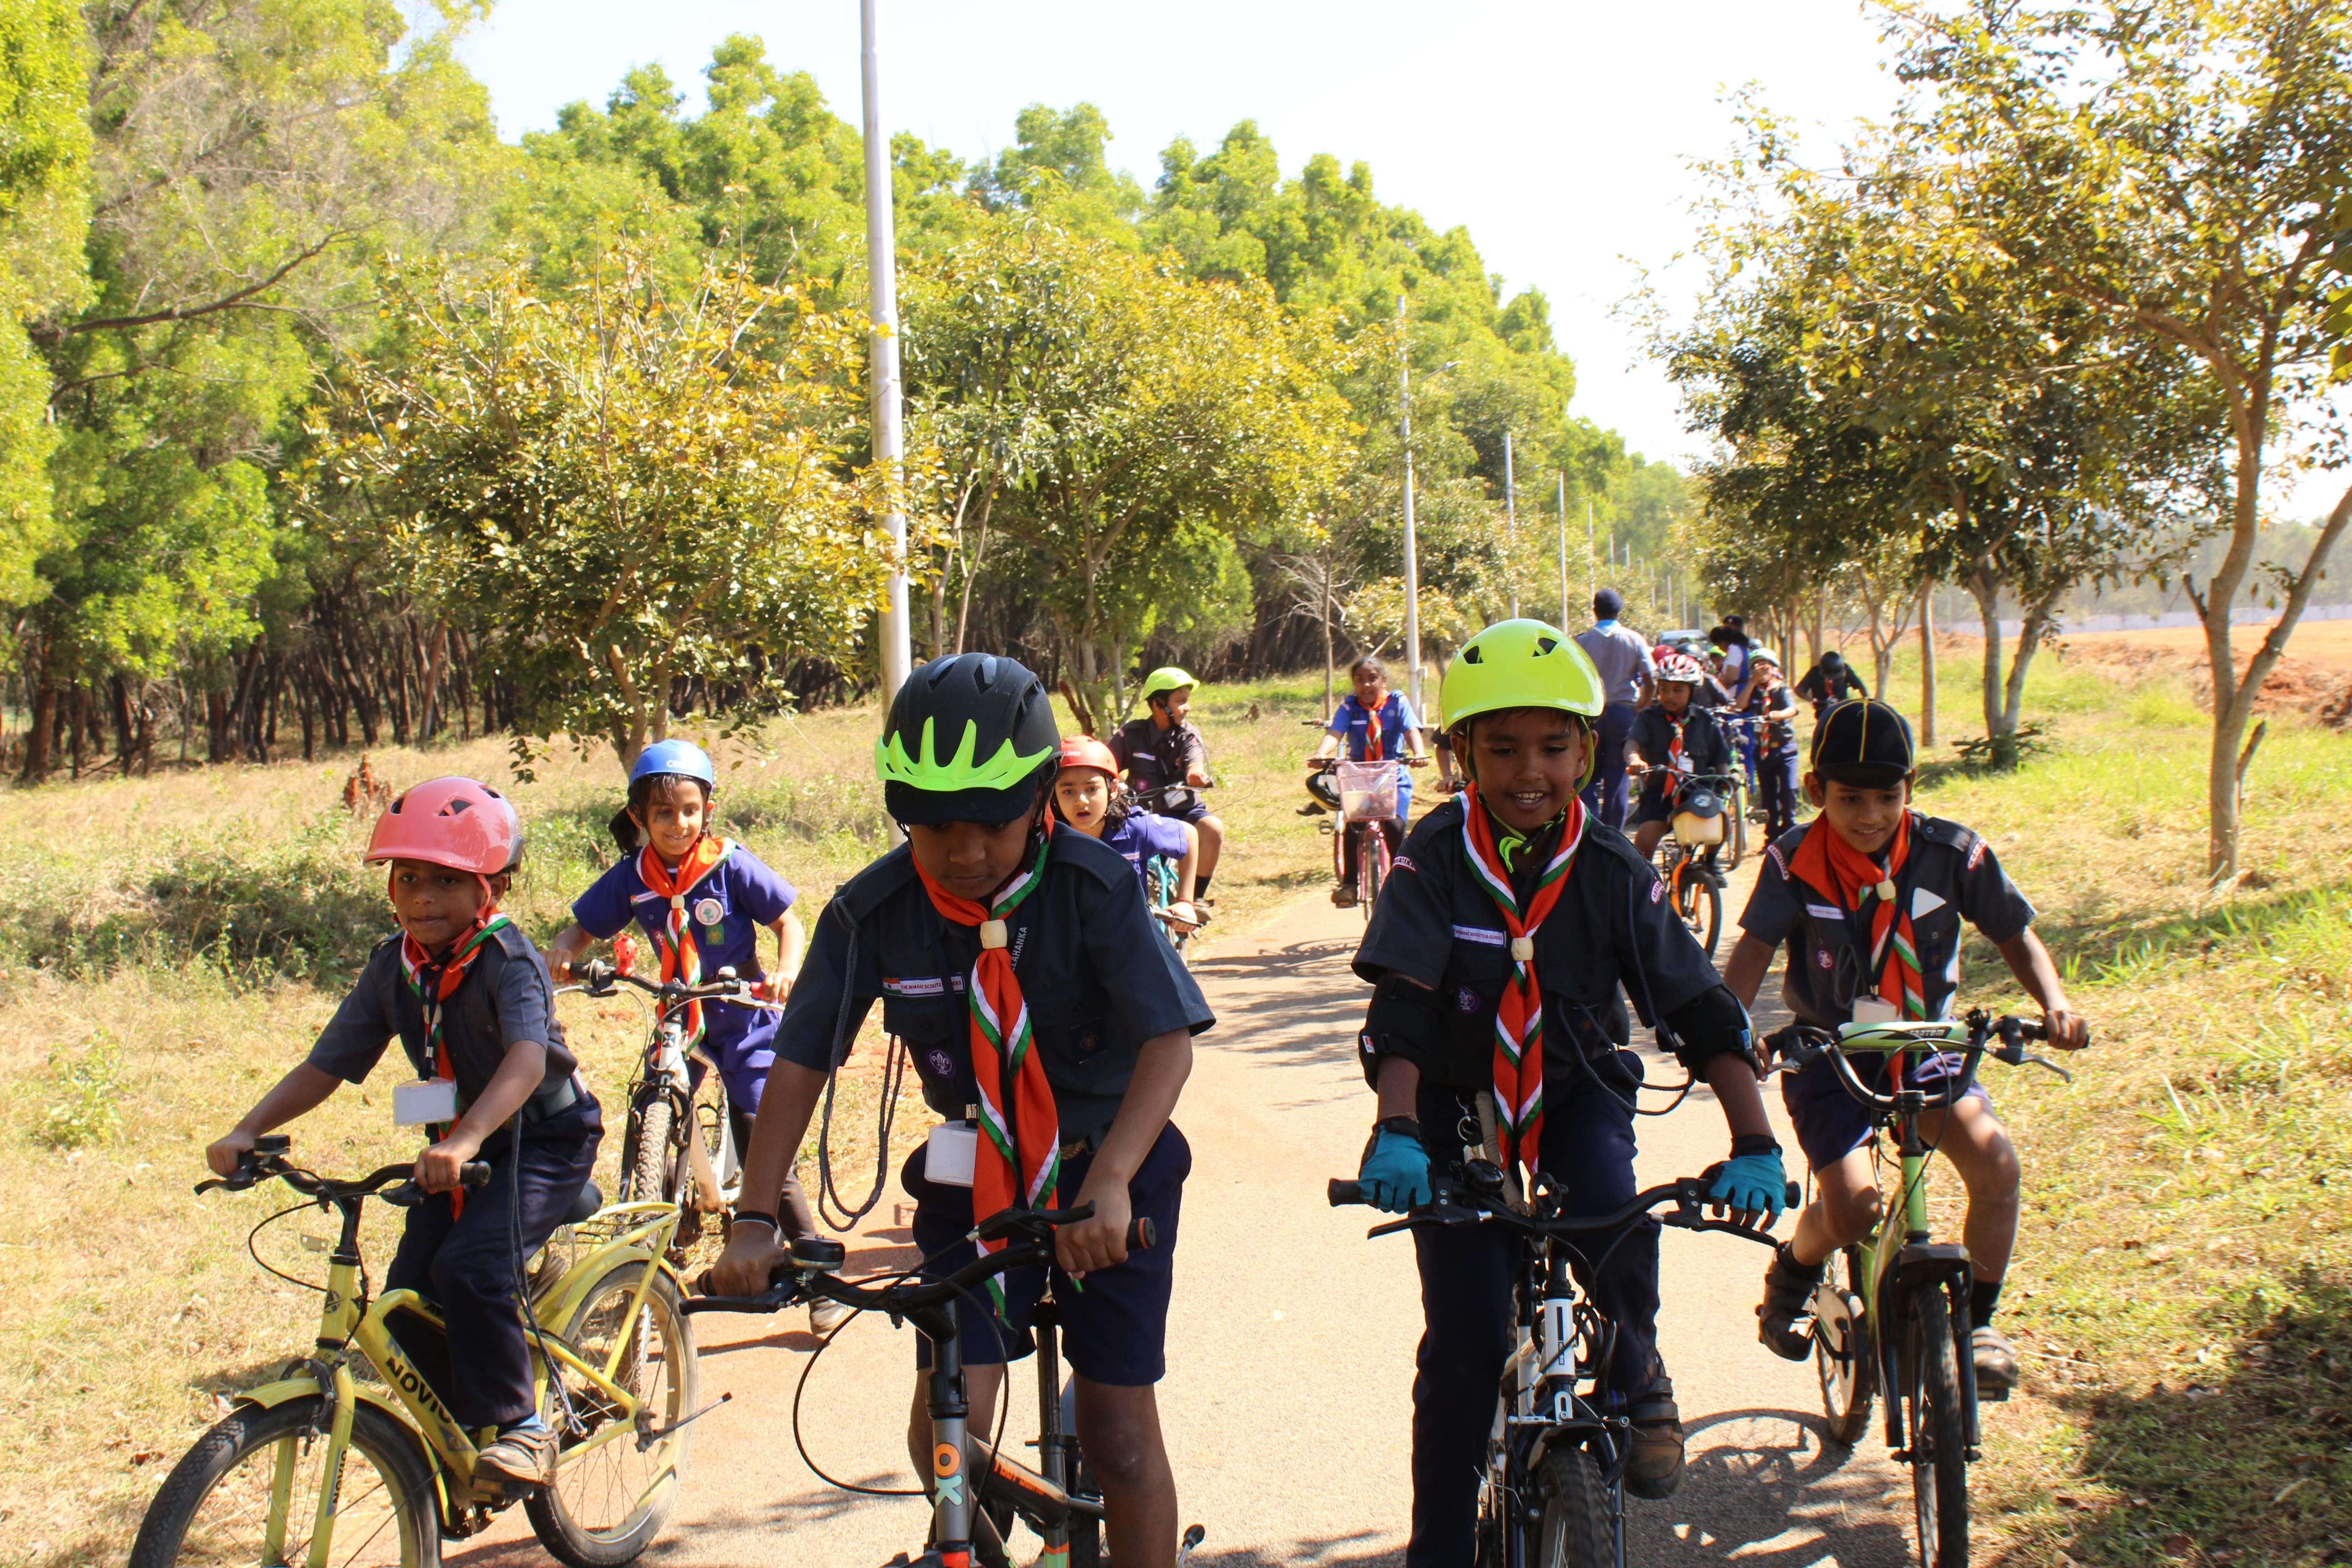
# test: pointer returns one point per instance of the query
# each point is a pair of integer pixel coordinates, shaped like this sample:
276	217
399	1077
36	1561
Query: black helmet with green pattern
970	738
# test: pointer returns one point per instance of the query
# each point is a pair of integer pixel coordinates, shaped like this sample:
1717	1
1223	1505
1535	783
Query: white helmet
1763	656
1680	667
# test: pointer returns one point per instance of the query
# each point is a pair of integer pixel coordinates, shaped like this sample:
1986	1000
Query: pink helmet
460	823
1682	668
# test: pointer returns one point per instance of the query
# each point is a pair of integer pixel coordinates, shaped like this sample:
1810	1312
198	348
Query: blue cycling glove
1396	1172
1753	1182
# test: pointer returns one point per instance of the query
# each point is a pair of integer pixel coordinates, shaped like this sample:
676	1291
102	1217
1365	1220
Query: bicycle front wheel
609	1497
1939	1428
1371	869
649	1162
1572	1523
1700	904
248	1494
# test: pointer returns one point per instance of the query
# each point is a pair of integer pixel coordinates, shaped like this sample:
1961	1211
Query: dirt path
1291	1345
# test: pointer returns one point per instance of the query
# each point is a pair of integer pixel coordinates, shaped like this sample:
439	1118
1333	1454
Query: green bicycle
323	1469
1895	1314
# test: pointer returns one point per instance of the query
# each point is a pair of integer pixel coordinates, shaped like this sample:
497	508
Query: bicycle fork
952	1492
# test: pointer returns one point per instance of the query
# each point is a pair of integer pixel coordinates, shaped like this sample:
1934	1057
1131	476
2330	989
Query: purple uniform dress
1143	836
729	906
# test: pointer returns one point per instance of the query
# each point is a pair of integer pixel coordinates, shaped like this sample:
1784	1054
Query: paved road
1290	1345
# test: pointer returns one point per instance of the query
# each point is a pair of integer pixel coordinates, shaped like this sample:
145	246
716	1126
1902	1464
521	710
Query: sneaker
521	1456
1996	1361
826	1315
1654	1469
1782	1323
1343	897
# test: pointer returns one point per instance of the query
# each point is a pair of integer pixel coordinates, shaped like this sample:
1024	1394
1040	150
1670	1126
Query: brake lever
2046	1062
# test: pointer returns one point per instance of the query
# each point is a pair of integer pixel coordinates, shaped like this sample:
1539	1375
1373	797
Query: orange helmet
459	823
1086	752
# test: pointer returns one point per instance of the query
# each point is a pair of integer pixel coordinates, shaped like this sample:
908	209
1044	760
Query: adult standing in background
1731	636
1621	656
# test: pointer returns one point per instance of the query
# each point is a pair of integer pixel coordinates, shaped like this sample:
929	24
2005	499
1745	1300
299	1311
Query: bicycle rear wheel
607	1502
1736	815
1843	1356
1938	1430
1572	1527
249	1492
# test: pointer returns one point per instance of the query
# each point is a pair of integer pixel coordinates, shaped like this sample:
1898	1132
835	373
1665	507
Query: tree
616	487
2172	167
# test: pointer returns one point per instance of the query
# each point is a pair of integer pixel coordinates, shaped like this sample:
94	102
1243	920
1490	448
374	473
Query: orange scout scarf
433	981
681	956
1518	1020
1020	1156
1825	862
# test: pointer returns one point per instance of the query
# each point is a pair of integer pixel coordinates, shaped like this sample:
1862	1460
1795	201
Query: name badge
427	1100
949	1157
1875	1010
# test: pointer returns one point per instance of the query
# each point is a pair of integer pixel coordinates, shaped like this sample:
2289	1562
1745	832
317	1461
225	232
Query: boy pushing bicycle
1869	898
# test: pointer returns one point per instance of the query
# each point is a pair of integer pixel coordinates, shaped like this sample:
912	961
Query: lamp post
1511	525
1412	550
885	389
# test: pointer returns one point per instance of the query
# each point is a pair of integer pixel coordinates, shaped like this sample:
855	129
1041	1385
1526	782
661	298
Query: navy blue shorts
1651	807
1830	1124
1191	813
1113	1323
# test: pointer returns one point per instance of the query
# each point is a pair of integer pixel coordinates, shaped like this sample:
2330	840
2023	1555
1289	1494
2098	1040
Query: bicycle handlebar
1801	1046
261	1164
597	978
1454	1206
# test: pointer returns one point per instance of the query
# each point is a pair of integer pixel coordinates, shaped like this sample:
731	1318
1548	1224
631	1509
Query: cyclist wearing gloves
465	991
988	912
1767	698
1168	762
1374	724
1673	732
1513	915
1087	796
1869	898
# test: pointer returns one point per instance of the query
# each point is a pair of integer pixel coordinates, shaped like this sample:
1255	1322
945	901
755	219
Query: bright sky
1560	132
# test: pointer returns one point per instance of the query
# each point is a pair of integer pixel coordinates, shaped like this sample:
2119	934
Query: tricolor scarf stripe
433	981
681	954
1828	863
1372	735
1518	1018
1675	754
1021	1155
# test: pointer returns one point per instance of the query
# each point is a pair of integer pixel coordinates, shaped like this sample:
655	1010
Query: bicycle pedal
1991	1396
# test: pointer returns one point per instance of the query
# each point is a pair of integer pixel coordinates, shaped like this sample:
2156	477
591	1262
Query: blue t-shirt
729	906
1353	719
1145	834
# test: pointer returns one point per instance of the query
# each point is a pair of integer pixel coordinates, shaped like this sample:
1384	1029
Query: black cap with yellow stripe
1864	742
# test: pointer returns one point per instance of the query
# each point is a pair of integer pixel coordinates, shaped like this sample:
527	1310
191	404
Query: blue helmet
682	758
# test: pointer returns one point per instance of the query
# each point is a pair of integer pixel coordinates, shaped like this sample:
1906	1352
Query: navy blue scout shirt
505	998
1437	925
1098	978
1704	751
1950	875
729	906
1145	834
1353	720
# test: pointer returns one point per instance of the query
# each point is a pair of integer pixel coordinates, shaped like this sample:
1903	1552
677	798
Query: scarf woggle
1020	1155
1825	862
1518	1019
681	955
433	981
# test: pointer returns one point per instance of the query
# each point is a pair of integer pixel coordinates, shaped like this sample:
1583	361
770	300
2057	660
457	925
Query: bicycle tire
1939	1432
1371	870
397	1455
649	1162
1736	813
1702	907
1572	1518
557	1510
1845	1358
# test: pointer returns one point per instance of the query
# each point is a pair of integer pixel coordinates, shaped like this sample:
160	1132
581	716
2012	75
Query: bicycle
1058	1500
1160	892
1741	798
1899	1317
1365	796
1552	1492
669	1140
1686	856
612	1356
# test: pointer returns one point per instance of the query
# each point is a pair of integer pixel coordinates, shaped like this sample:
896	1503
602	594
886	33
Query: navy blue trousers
1466	1277
1605	795
1777	790
467	1265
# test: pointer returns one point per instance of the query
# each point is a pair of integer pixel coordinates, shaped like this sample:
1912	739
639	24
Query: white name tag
949	1157
1486	936
1875	1010
1823	913
425	1101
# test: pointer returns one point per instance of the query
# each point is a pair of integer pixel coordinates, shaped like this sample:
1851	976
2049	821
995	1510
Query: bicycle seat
583	1207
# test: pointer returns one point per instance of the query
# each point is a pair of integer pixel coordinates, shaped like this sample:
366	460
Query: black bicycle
1689	855
1553	1491
971	1518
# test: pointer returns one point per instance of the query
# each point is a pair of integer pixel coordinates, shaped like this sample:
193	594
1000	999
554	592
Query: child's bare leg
980	1384
1119	1429
1980	1153
1844	1210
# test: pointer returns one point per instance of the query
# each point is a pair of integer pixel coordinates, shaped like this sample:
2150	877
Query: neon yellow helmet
1521	664
1166	677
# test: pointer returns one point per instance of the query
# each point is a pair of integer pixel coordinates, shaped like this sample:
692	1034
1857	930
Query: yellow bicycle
330	1468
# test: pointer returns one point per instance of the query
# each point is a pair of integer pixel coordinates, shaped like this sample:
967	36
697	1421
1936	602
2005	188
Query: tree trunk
1926	664
971	569
2030	633
430	662
1882	652
1987	595
1330	665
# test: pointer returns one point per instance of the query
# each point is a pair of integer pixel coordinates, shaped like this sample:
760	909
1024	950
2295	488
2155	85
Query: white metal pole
1563	549
882	307
1411	554
1511	522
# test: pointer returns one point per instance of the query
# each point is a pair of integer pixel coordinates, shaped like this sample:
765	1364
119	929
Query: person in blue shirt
1087	796
1374	724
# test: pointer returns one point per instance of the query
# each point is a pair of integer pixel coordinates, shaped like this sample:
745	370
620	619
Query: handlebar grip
1142	1235
1343	1192
1791	1196
474	1174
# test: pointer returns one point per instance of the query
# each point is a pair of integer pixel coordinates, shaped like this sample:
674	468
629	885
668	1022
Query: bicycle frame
345	1325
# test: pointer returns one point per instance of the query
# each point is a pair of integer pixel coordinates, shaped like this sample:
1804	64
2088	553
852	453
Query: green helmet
1520	664
983	741
1166	677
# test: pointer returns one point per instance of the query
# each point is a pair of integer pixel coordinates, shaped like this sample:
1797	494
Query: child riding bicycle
1375	724
1673	732
1869	898
1766	698
465	991
1088	796
1495	1031
1017	962
1167	763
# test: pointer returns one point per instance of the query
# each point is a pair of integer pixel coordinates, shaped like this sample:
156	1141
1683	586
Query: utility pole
1563	549
1511	523
1592	584
884	389
1412	551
